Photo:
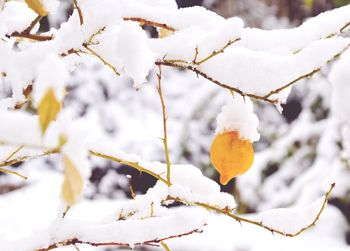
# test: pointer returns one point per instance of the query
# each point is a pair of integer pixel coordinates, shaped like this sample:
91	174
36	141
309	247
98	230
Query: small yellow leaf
48	109
73	183
38	7
162	33
309	4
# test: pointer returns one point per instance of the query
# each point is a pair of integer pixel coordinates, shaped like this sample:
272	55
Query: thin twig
75	241
204	75
214	53
101	58
150	23
343	29
24	158
32	25
3	170
13	153
81	18
165	138
35	37
129	163
65	211
261	224
307	75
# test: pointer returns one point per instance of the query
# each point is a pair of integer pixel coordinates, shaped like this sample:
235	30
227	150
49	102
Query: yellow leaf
231	155
73	183
48	109
162	33
38	7
308	3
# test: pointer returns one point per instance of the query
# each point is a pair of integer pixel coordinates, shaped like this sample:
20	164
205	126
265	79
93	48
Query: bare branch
35	37
143	21
266	98
165	138
101	59
307	75
214	53
204	75
81	18
27	157
74	241
131	164
3	170
14	152
262	225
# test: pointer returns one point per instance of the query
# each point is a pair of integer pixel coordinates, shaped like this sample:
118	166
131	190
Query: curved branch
154	242
211	79
307	75
267	98
262	225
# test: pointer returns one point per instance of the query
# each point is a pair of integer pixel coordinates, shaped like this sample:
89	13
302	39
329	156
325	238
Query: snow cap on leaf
238	116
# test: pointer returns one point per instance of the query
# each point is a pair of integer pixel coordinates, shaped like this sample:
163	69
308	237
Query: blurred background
298	150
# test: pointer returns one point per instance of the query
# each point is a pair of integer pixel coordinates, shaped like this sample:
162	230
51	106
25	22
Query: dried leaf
48	109
38	7
162	33
73	183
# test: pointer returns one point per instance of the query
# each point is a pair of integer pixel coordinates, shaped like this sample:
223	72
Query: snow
292	40
46	79
123	232
259	72
183	43
16	16
188	182
84	219
340	79
127	49
75	148
50	5
238	116
290	220
14	129
170	4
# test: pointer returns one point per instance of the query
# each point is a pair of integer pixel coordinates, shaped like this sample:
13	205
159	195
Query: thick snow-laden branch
129	232
197	33
272	73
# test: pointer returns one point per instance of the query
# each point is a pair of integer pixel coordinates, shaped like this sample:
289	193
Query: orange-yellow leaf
38	7
231	156
73	183
48	109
